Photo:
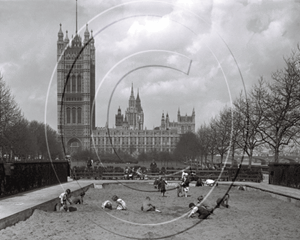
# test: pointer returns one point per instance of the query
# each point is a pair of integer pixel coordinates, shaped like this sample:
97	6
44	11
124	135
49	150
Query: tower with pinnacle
134	115
75	89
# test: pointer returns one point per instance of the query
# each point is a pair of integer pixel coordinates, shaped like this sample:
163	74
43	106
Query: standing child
64	197
163	184
186	186
121	205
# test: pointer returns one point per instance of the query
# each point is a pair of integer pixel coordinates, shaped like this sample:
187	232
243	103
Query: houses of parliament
76	108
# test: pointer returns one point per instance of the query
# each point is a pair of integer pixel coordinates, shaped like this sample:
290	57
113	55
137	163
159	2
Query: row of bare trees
267	116
21	138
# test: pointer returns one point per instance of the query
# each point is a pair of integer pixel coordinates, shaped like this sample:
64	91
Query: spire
76	17
60	33
86	34
132	102
132	89
138	96
66	38
92	38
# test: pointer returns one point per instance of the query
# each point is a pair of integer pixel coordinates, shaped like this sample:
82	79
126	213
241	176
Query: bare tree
203	136
250	121
280	105
212	141
10	114
223	128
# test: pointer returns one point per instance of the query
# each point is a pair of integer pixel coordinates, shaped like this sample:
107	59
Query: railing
20	177
95	173
285	174
245	174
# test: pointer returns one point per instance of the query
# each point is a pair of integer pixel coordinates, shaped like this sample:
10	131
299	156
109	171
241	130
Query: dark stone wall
23	176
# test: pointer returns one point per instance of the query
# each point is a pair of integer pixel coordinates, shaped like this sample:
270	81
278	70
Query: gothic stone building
76	108
130	136
75	89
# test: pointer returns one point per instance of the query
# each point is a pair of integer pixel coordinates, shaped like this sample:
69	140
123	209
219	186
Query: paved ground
280	190
19	207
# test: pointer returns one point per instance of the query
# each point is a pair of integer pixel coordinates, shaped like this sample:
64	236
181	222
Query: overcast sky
221	38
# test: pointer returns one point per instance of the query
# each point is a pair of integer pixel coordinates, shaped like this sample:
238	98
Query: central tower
75	89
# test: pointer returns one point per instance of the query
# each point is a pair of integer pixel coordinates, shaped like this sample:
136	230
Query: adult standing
153	166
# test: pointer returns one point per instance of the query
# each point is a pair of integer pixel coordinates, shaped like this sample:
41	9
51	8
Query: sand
252	215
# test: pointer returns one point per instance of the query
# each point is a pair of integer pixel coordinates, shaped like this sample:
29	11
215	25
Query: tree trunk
276	155
232	158
250	161
250	158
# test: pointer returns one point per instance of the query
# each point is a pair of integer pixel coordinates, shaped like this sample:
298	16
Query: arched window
182	129
79	115
68	115
79	83
68	89
73	83
73	115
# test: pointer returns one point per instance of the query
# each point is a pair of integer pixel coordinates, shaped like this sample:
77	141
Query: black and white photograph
149	119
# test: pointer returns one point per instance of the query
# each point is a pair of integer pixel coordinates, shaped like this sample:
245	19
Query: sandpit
252	215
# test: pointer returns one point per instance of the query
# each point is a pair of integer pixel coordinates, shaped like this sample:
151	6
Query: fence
245	174
20	176
285	174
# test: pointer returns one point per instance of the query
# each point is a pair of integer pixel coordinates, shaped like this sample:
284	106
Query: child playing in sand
179	190
64	197
147	206
223	202
121	205
107	204
203	204
79	199
202	212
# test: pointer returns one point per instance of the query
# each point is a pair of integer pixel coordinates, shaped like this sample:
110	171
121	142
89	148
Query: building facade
75	90
130	136
76	108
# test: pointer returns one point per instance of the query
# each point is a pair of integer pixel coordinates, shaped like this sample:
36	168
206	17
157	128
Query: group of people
129	173
66	197
147	205
120	203
201	207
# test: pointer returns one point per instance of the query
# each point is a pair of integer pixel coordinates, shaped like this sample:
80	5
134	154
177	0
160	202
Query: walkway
21	206
286	194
